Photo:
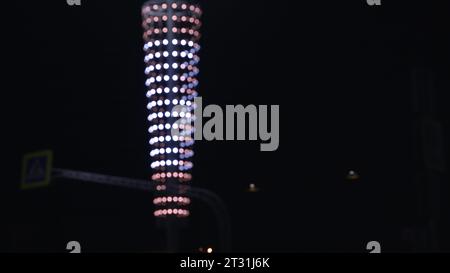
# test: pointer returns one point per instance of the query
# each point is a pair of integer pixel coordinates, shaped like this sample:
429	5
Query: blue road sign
36	170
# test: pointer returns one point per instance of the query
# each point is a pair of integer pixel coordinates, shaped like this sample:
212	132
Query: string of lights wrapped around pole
171	36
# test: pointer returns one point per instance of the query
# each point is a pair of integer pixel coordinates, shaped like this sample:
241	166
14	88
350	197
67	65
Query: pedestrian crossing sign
36	170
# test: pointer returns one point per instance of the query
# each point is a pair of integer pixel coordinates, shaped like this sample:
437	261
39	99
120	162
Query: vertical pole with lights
171	35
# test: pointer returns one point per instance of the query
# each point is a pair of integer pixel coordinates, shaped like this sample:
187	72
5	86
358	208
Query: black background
340	71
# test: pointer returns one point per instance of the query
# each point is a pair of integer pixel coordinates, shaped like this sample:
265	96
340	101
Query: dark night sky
340	71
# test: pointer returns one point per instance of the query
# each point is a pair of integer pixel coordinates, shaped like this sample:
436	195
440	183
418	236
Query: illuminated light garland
179	200
182	177
172	212
171	35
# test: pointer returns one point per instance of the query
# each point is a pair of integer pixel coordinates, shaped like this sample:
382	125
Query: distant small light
352	175
209	250
252	188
